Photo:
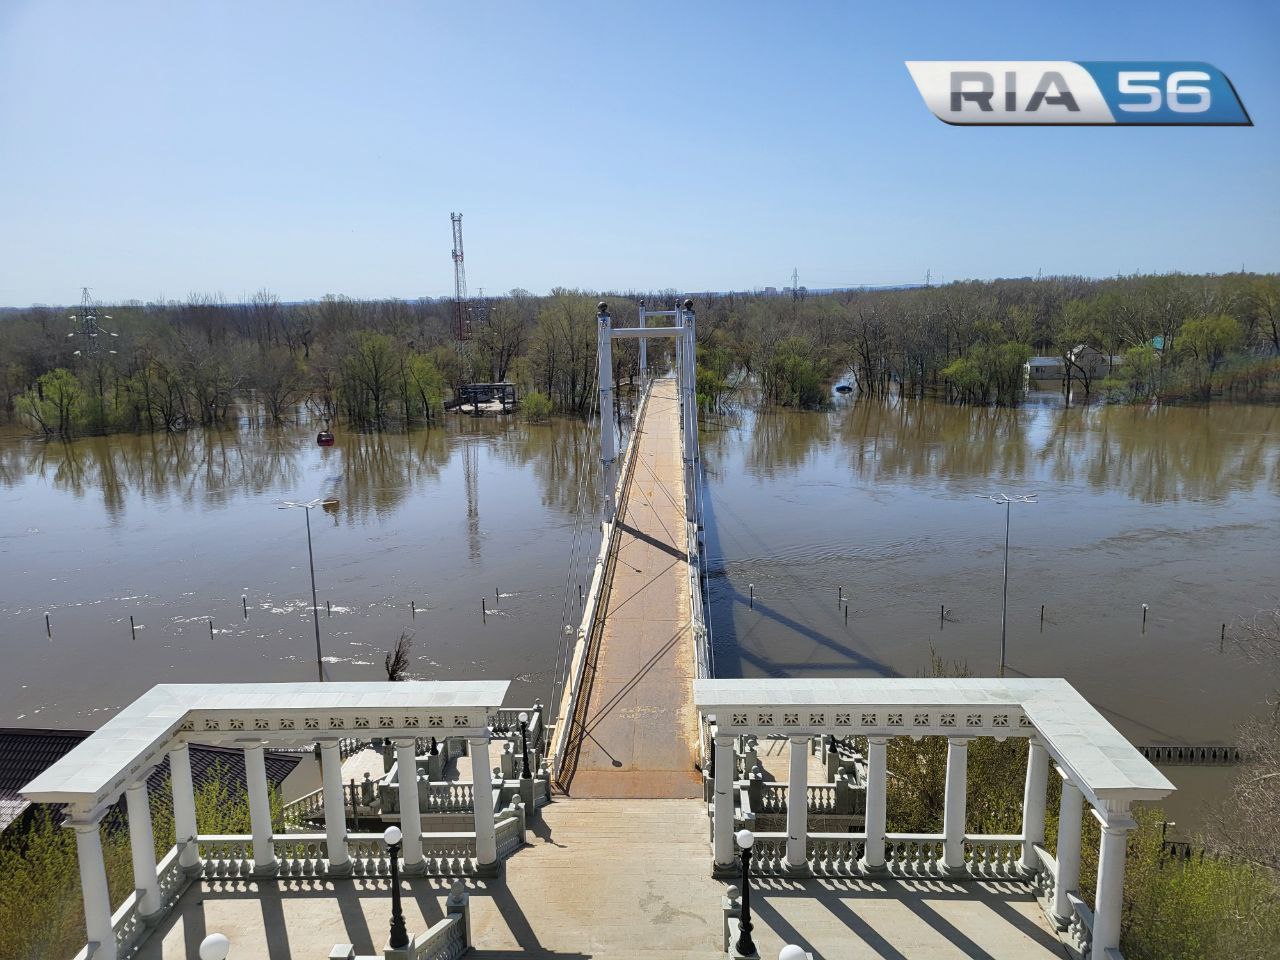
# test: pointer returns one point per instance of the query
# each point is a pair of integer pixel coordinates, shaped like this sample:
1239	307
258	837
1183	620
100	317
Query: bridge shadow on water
733	649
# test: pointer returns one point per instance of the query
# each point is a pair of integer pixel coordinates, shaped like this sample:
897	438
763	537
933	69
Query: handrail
591	609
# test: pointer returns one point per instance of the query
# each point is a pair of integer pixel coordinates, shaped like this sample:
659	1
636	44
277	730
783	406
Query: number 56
1182	88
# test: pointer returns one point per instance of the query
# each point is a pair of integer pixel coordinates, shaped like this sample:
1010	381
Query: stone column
723	788
1069	810
953	816
410	812
877	783
798	805
255	775
482	792
93	887
184	808
1033	802
142	844
335	809
1109	896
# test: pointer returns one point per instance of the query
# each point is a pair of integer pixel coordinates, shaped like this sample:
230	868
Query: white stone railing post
1033	803
410	812
335	809
185	828
255	775
877	783
722	821
1108	900
142	844
482	803
93	887
953	816
1070	808
798	805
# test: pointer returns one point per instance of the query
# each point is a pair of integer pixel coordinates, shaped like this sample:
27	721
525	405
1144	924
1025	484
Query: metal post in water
483	612
133	630
47	628
1007	502
210	629
942	614
839	595
1042	618
1144	618
846	614
328	610
244	604
413	610
753	595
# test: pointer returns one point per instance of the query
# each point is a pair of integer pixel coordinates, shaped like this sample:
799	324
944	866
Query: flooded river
1176	508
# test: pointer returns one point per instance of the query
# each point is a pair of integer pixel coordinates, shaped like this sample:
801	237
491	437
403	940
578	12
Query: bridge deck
635	730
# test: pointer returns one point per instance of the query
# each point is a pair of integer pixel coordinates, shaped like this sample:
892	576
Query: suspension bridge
626	722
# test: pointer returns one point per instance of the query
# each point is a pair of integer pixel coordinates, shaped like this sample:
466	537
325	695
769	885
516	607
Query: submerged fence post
244	604
133	630
47	628
752	588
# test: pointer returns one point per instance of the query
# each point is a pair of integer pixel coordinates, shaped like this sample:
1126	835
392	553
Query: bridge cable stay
564	648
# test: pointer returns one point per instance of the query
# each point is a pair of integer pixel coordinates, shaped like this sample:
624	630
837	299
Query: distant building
1045	368
1089	362
770	291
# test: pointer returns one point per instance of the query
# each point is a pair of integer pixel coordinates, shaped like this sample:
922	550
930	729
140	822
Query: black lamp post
524	746
745	945
399	935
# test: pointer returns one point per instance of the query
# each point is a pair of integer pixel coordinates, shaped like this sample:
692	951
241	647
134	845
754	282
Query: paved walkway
635	732
619	880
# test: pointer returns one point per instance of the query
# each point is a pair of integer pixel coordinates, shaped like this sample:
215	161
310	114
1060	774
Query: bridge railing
592	609
1096	764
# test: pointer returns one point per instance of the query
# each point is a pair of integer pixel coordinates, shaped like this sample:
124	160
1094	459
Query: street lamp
214	947
315	604
1007	502
524	746
399	935
745	946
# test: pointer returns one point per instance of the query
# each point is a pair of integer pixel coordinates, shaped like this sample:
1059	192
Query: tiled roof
26	753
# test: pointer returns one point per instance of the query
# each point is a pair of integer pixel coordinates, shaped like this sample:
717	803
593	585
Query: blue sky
153	149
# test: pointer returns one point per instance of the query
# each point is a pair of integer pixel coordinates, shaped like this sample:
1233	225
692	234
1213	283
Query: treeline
376	364
1173	336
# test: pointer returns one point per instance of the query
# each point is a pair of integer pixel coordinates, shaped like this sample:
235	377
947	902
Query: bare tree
396	661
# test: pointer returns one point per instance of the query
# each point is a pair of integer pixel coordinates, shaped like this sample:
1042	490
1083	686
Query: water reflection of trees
1152	454
377	472
1157	454
565	455
209	466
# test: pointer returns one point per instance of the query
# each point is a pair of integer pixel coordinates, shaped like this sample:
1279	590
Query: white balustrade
1096	763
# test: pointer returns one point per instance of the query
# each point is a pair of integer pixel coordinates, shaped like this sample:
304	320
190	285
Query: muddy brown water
1173	507
1177	508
